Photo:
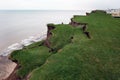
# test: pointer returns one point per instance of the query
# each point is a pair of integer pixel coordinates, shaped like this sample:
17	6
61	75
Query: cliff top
80	52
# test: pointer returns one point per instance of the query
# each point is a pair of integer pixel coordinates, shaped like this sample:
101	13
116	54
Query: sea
19	28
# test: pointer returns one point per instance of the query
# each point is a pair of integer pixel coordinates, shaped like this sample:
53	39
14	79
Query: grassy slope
82	58
30	58
65	32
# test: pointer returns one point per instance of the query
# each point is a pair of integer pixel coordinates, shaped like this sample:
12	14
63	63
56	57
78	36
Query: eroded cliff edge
73	50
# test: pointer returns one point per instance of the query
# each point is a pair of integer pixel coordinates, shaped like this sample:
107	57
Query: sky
58	4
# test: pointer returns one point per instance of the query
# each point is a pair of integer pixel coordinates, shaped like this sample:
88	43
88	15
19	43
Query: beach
6	67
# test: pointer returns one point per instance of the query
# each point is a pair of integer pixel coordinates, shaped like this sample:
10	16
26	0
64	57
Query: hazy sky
59	4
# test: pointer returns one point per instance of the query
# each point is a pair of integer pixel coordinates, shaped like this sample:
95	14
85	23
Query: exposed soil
88	35
49	34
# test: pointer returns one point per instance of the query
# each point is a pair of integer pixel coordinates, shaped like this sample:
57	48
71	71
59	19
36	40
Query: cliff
87	48
50	27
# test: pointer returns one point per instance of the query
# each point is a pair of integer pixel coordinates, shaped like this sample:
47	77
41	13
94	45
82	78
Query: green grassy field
79	58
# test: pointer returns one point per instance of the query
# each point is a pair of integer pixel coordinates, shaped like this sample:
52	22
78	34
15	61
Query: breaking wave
23	43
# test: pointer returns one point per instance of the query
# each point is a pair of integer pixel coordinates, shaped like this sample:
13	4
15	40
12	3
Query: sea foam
23	43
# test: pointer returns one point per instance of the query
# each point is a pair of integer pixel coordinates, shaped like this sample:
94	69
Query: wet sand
6	67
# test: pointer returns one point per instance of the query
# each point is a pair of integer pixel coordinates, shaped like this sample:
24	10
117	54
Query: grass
61	36
79	58
30	58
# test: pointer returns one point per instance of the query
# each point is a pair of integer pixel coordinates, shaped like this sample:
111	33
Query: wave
23	43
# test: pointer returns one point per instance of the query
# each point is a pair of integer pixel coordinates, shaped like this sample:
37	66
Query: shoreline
7	66
23	43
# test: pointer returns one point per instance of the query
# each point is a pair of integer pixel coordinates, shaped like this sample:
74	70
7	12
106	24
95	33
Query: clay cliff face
50	27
